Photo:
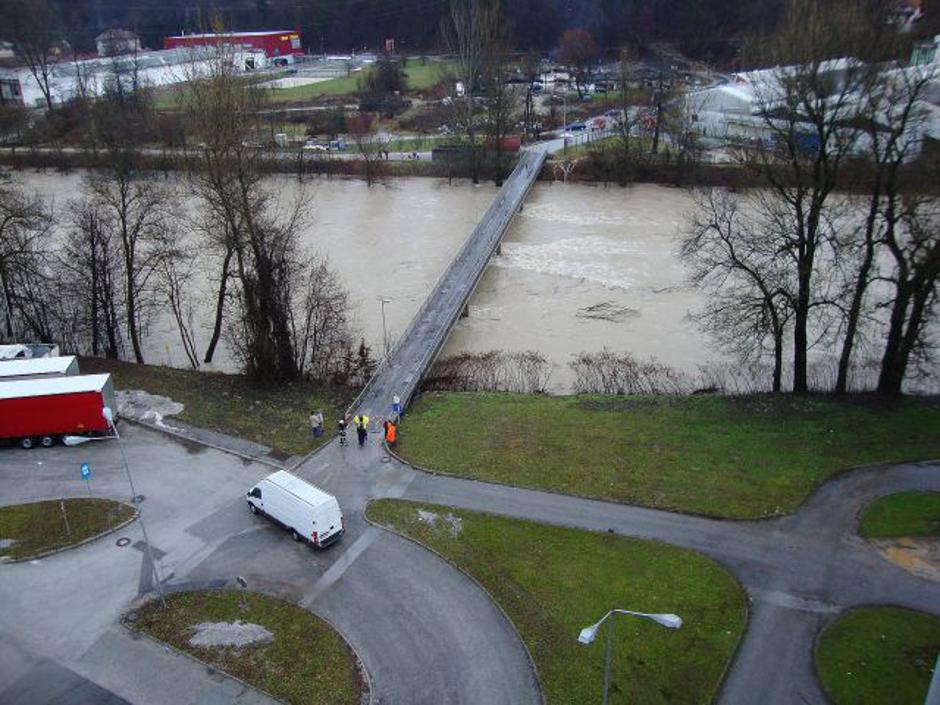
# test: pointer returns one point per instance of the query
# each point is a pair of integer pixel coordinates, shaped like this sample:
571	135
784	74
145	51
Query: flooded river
582	268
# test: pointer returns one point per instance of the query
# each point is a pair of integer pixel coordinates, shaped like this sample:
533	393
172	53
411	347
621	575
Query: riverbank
276	416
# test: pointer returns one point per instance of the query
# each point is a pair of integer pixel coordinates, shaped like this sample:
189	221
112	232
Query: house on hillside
115	42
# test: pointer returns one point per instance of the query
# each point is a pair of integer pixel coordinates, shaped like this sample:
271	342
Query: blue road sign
86	470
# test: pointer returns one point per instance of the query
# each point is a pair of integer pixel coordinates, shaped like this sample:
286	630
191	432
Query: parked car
576	127
306	511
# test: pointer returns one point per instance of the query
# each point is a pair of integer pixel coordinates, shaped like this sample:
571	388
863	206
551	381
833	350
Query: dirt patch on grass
917	555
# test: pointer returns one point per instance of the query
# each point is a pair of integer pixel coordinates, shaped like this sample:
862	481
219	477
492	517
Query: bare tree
502	99
468	33
579	52
895	118
370	146
177	265
809	106
265	272
133	209
915	250
33	27
736	264
25	223
89	268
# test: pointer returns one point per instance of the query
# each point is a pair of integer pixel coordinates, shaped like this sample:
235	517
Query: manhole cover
123	541
137	499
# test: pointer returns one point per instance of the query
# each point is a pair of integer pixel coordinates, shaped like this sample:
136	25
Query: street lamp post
109	417
384	301
588	634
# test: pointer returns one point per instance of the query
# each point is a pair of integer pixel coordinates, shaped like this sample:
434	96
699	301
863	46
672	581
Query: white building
147	68
736	111
115	42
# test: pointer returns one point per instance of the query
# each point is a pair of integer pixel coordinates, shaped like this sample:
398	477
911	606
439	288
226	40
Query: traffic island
37	529
267	643
877	655
551	582
905	528
720	456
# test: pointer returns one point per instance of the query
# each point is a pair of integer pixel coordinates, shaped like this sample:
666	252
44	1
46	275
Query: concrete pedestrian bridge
401	372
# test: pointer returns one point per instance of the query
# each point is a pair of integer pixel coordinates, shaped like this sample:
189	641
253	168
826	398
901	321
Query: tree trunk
219	307
893	362
855	308
778	360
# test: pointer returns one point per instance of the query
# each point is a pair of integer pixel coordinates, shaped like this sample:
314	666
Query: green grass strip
738	457
902	514
40	527
308	662
554	581
878	655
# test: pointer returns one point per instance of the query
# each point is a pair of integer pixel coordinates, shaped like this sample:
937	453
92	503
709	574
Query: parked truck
38	367
306	511
42	411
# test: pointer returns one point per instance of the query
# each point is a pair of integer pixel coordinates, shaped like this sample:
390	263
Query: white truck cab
309	513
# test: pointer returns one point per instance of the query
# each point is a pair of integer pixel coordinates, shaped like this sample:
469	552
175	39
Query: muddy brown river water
582	267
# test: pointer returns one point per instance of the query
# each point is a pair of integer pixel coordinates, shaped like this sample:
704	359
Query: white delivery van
306	511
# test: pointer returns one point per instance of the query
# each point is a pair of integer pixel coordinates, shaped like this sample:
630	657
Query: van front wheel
294	535
252	508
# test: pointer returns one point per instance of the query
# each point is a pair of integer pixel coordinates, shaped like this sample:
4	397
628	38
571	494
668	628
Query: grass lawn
421	77
343	85
554	581
739	457
39	527
878	655
277	416
902	514
308	662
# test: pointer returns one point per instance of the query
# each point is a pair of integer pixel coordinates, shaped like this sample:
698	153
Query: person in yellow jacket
362	427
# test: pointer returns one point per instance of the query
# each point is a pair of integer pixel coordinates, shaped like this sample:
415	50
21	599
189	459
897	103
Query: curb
54	551
138	603
525	647
178	434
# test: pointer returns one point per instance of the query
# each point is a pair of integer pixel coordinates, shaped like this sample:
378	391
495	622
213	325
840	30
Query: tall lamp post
109	417
384	301
588	634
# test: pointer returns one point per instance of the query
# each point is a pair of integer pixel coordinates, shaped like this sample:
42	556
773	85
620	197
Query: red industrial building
274	43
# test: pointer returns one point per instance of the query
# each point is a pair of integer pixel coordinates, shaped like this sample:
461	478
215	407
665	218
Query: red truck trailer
41	411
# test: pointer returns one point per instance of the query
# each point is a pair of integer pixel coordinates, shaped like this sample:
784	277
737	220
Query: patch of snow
236	634
142	406
454	523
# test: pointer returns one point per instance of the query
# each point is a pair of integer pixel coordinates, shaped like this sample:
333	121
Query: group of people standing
362	428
